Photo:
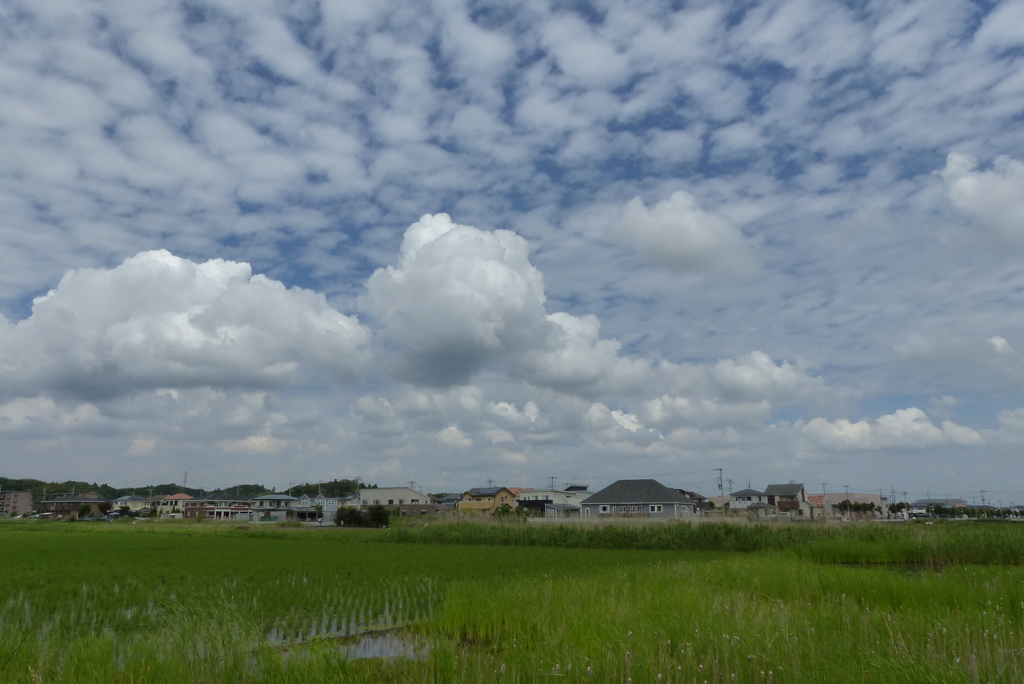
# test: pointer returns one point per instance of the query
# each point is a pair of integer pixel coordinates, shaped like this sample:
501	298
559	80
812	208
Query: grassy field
204	603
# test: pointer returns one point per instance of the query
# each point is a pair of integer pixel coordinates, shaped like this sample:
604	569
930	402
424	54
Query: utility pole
721	489
551	482
824	498
412	484
847	499
490	482
730	486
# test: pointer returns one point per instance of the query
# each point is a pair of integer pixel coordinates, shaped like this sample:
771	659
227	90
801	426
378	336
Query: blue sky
459	241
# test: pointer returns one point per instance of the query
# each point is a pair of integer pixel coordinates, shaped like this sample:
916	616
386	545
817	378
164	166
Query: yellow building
486	499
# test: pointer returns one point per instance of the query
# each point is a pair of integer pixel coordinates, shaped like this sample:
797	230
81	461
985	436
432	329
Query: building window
401	502
655	508
365	502
391	502
604	509
415	501
376	502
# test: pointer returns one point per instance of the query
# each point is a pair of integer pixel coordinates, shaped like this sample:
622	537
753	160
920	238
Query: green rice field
160	602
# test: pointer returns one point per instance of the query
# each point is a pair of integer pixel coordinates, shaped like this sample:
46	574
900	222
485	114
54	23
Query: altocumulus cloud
158	320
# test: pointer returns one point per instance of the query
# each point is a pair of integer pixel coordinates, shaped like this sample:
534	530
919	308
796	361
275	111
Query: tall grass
855	543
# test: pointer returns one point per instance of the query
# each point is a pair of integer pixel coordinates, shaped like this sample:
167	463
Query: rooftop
637	491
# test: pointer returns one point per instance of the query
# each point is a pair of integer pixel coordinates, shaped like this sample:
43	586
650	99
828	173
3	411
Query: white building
555	496
392	496
745	498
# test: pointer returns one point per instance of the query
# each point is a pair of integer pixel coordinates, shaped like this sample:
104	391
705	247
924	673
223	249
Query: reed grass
851	543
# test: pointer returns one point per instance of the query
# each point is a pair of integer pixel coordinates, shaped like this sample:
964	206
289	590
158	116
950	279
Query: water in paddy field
392	645
362	626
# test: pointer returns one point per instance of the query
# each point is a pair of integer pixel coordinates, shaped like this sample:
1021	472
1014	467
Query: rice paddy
469	603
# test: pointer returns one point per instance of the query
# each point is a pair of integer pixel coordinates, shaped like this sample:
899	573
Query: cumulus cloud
756	375
159	321
703	411
995	198
578	360
458	299
678	234
43	413
452	436
910	428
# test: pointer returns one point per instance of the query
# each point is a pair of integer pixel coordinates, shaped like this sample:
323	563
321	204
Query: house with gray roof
791	500
745	498
639	499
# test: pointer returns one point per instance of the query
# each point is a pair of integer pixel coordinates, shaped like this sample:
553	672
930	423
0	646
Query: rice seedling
451	603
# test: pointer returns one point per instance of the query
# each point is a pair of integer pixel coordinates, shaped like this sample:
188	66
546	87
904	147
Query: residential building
401	501
700	501
170	504
313	508
485	500
14	502
637	498
134	502
791	500
273	507
745	498
564	502
68	506
220	507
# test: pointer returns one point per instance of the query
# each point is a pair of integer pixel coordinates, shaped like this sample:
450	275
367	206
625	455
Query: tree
104	507
84	510
347	516
503	511
124	511
378	516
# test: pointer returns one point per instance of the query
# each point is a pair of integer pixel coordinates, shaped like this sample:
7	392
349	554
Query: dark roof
637	491
748	492
759	505
73	498
783	490
561	507
484	491
576	488
268	497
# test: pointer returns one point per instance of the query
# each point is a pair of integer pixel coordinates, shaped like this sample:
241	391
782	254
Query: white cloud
304	140
158	320
141	446
995	198
906	428
1000	345
43	413
676	233
458	299
452	436
578	360
755	375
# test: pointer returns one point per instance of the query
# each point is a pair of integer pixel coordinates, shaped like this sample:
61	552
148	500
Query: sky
457	242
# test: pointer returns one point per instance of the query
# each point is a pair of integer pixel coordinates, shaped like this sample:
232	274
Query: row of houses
646	498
